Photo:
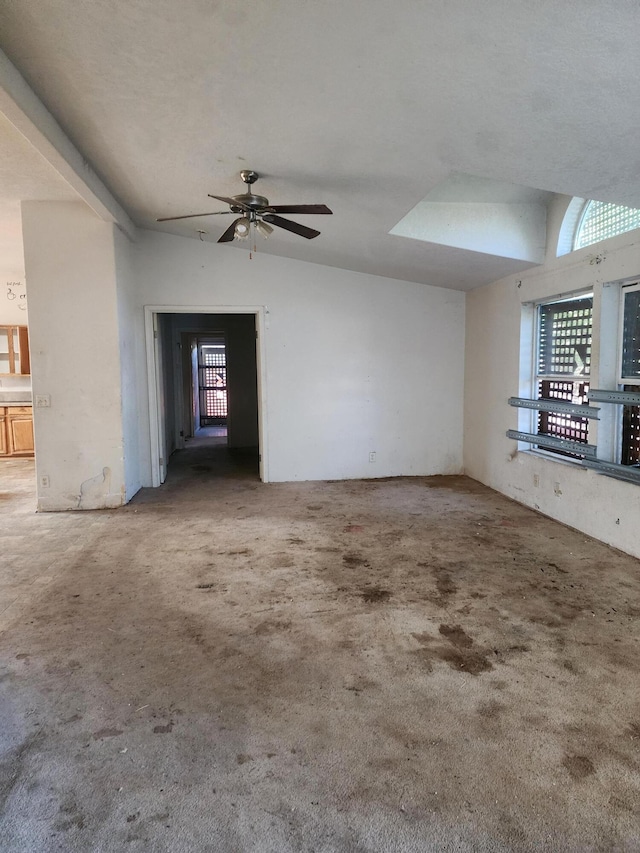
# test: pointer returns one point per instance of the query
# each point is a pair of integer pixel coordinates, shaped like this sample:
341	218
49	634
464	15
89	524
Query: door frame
154	377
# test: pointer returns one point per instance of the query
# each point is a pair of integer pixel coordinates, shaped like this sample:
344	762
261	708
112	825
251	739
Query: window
601	220
212	369
629	379
563	366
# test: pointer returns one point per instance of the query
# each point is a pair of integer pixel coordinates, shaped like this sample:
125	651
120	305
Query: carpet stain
579	766
634	731
375	595
456	635
458	653
272	626
490	710
353	560
163	730
101	734
73	719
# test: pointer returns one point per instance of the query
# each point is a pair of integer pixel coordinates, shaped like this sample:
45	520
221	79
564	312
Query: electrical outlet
43	401
536	480
44	481
372	456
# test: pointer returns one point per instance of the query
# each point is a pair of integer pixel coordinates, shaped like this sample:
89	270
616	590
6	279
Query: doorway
206	371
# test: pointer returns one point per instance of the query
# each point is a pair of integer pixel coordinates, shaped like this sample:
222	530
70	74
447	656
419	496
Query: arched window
600	220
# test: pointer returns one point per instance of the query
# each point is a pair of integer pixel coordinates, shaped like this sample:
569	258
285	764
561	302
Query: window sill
552	457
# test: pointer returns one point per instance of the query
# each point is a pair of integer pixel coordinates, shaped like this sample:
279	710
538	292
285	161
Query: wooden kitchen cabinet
3	432
16	431
14	350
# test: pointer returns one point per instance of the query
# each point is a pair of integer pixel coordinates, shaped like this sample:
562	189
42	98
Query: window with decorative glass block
563	366
601	220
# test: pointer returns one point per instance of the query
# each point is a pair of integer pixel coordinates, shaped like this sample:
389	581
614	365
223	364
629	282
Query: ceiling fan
255	210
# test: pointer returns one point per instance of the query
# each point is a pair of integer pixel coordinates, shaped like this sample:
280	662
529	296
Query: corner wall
70	260
125	294
605	508
352	363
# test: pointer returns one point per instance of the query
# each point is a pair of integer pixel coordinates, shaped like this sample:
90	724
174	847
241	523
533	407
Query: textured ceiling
364	106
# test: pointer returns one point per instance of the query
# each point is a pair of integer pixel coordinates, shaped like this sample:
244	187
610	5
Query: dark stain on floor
458	653
579	766
456	635
354	560
105	733
375	595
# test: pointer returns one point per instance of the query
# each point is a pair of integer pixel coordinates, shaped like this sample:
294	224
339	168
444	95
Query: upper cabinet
14	350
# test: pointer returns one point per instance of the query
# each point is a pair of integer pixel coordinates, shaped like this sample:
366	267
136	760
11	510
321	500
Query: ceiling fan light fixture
263	229
241	231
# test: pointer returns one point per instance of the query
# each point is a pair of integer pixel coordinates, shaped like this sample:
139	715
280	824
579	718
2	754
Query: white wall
12	311
353	363
600	506
11	314
70	260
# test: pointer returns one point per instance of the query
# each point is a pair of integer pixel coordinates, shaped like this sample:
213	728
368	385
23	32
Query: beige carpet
401	665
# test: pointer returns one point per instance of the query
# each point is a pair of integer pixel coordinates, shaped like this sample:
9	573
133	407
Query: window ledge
552	457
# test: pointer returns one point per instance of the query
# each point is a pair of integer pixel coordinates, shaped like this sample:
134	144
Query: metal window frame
542	404
552	443
556	377
622	380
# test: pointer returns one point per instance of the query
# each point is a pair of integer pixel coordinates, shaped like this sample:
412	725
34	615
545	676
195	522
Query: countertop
15	397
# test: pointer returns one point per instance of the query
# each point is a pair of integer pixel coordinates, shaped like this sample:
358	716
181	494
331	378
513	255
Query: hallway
207	457
409	664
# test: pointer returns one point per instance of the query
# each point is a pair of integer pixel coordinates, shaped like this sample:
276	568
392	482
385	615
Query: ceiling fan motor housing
255	202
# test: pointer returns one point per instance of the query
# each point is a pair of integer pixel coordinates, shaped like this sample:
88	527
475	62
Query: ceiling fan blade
230	201
300	208
229	234
294	227
192	215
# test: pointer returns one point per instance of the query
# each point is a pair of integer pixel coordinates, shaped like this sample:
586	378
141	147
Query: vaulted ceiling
367	107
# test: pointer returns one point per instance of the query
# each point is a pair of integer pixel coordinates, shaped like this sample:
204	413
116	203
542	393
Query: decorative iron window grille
564	366
630	432
213	385
630	373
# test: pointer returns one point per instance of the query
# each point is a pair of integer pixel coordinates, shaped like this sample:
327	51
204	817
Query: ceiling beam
22	107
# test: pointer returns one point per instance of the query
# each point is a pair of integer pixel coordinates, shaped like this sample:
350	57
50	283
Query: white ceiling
364	105
24	174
